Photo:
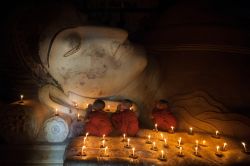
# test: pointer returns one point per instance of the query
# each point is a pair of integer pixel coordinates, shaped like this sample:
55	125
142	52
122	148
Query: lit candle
217	149
86	135
128	142
105	150
149	136
21	97
133	151
204	143
165	142
224	146
83	148
156	129
217	133
179	142
162	154
172	129
196	150
153	145
196	143
76	105
191	130
244	145
180	151
162	137
56	111
124	136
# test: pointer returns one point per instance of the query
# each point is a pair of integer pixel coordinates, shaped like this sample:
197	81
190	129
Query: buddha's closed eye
73	44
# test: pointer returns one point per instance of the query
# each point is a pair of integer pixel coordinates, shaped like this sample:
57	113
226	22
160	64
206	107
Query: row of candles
217	135
162	155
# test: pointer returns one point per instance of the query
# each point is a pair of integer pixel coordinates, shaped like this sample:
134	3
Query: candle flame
217	148
216	132
172	127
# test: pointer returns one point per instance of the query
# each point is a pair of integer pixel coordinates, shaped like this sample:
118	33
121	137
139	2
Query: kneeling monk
162	116
125	120
98	122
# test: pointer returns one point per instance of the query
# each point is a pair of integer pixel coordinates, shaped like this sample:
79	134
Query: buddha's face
94	61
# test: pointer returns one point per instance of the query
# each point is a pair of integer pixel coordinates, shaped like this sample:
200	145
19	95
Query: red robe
164	119
98	124
125	122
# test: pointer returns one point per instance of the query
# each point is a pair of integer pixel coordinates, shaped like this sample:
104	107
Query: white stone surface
55	129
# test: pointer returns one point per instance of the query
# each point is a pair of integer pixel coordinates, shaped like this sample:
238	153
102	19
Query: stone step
38	154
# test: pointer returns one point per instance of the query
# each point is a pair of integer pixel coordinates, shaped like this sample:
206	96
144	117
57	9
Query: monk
125	120
162	116
98	121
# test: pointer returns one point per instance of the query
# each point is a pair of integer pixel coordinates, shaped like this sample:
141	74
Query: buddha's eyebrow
52	41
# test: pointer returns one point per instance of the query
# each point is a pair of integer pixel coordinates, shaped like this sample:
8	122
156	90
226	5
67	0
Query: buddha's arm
49	93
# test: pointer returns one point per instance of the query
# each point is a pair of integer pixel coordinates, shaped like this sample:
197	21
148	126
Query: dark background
224	74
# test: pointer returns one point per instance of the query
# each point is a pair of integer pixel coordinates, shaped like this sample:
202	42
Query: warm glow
180	151
128	142
196	150
224	145
21	97
83	148
153	145
204	142
216	132
124	136
244	145
197	142
156	127
149	136
162	154
172	128
133	151
179	141
191	130
217	148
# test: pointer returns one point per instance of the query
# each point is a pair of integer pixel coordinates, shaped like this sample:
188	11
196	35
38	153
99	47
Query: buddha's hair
98	105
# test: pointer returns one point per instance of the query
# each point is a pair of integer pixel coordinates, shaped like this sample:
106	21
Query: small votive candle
218	153
165	143
224	147
191	131
133	154
21	98
197	143
154	147
172	129
128	145
149	140
162	137
156	127
124	137
244	146
83	151
179	142
180	153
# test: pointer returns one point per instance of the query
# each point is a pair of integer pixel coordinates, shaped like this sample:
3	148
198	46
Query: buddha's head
92	61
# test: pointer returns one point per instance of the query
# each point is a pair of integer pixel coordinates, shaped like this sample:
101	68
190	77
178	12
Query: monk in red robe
125	120
98	121
162	116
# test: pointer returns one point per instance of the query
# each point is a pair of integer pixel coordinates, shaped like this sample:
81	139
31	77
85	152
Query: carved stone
56	129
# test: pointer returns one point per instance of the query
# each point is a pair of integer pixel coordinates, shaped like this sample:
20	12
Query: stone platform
32	155
119	155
